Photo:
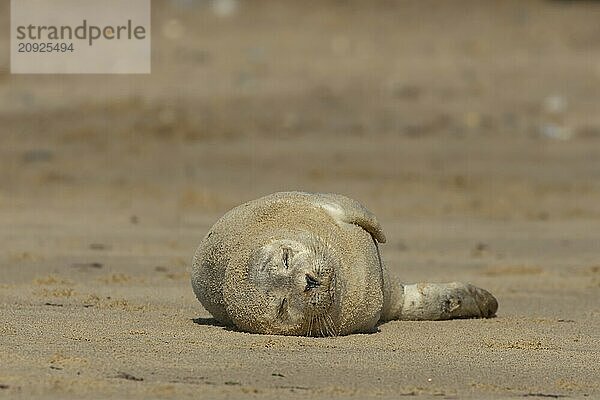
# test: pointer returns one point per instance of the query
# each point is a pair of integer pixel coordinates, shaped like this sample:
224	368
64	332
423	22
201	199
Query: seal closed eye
296	263
286	257
282	308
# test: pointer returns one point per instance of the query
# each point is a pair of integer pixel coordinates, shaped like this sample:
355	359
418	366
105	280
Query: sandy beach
471	129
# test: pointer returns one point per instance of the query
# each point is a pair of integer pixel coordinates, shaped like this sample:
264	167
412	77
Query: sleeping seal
295	263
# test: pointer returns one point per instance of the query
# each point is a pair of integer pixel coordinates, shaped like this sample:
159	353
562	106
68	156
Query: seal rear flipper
441	301
350	211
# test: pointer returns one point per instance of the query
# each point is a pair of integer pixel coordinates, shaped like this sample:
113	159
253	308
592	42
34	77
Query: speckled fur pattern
297	263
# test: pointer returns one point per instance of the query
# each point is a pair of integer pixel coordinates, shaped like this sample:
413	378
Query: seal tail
437	301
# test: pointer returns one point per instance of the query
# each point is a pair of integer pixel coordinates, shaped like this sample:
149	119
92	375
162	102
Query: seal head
291	281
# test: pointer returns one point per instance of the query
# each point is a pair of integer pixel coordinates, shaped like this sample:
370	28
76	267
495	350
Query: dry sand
438	116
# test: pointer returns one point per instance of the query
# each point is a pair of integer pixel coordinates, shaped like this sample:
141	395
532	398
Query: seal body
298	263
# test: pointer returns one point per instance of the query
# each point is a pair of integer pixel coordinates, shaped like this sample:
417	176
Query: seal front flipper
350	211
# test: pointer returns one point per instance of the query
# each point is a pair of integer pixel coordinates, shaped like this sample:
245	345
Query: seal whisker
333	282
310	324
332	325
320	319
327	327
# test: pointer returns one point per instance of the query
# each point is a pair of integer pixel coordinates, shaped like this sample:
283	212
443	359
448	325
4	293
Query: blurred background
469	108
425	111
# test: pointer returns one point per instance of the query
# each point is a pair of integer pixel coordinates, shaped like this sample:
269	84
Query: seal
296	263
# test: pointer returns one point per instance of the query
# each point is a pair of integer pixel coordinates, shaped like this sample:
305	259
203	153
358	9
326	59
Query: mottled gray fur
298	263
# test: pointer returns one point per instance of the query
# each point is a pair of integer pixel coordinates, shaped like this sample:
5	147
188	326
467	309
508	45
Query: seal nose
311	282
